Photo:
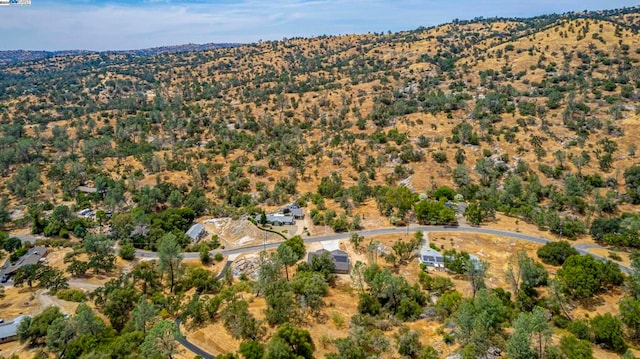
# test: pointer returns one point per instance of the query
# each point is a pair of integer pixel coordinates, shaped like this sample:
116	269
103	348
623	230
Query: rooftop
10	329
195	231
340	258
32	256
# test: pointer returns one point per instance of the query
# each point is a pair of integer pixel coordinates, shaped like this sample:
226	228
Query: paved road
183	340
582	248
365	233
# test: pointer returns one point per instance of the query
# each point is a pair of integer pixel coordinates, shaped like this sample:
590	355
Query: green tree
607	331
203	280
25	183
524	272
405	251
356	240
170	258
34	330
205	258
77	268
251	349
27	274
148	274
5	215
127	252
530	329
59	335
444	192
556	253
296	243
118	306
287	257
52	279
162	341
575	348
310	289
280	303
297	341
434	212
400	198
478	319
237	319
408	343
143	314
322	264
582	276
475	214
361	343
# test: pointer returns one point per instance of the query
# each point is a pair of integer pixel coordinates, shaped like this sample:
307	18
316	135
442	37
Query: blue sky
133	24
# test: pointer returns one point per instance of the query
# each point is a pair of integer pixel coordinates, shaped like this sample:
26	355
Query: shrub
607	330
440	156
71	295
555	253
218	257
580	328
17	254
127	252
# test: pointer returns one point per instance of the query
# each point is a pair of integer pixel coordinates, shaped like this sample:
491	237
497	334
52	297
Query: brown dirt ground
334	321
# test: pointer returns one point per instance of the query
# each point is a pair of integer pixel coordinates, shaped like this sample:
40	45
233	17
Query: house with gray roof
340	259
431	258
293	210
9	330
33	256
277	219
196	232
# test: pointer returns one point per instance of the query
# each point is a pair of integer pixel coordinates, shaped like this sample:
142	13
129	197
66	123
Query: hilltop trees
522	116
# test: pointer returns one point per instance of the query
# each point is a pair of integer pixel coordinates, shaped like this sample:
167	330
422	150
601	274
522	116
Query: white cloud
162	22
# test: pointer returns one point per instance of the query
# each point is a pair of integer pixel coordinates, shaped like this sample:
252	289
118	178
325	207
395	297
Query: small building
293	210
9	330
90	190
196	232
431	258
277	219
340	259
33	256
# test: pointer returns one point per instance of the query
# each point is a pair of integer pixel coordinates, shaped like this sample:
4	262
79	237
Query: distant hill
15	56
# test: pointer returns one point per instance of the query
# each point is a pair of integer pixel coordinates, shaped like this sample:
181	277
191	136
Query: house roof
296	211
280	218
340	258
10	329
86	189
291	206
32	256
430	252
195	231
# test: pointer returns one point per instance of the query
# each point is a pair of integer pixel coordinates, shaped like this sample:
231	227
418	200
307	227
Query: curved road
184	341
582	248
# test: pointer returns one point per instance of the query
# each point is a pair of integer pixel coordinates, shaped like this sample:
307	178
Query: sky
136	24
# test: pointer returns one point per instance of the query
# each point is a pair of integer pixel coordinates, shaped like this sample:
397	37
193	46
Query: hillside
532	122
15	56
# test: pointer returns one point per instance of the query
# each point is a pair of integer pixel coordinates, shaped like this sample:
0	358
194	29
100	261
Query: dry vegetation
533	122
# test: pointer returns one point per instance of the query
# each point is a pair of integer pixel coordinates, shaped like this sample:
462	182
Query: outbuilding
9	330
196	232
